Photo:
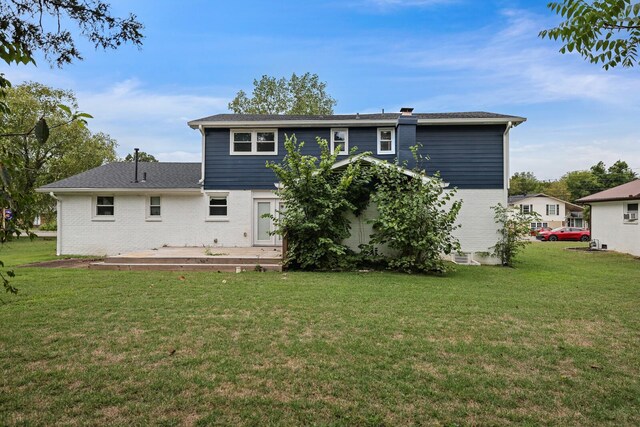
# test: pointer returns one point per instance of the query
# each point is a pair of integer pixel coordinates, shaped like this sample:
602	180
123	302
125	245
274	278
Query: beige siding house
553	212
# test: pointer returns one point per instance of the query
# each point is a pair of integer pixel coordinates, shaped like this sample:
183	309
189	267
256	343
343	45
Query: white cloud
154	121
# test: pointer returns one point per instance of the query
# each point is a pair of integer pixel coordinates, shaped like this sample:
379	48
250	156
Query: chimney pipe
135	150
144	177
406	111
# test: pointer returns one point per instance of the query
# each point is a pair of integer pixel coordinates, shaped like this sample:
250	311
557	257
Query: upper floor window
105	206
526	209
553	209
386	141
254	141
340	141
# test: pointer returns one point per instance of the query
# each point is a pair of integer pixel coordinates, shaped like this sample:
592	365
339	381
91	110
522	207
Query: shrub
316	199
513	232
416	218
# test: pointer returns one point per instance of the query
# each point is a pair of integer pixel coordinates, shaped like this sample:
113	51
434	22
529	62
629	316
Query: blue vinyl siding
226	172
469	156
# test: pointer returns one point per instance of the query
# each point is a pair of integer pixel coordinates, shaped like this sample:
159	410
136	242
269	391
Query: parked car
565	233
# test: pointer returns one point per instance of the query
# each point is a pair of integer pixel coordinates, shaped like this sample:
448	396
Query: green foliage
575	184
415	215
304	95
41	25
142	157
416	218
524	183
316	200
604	32
58	146
513	230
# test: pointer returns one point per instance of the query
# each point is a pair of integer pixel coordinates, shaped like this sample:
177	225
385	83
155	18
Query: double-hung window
217	206
154	207
386	141
105	206
553	209
526	209
254	142
631	213
340	141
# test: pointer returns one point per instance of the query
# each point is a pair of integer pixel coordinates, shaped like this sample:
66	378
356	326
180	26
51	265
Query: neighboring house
614	218
553	212
221	202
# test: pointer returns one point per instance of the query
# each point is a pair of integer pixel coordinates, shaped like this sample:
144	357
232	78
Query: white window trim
529	207
345	149
393	141
149	217
556	209
627	211
254	143
216	218
94	209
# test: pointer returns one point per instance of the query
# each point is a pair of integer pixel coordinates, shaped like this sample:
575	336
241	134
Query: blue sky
433	55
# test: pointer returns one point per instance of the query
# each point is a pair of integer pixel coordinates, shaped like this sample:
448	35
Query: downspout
203	155
505	160
59	223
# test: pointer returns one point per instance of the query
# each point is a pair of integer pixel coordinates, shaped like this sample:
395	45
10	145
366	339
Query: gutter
505	158
58	222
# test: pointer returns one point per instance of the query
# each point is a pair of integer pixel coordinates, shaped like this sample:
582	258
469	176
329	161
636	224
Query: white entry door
263	227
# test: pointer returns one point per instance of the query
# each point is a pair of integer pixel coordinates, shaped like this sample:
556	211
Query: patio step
165	266
217	260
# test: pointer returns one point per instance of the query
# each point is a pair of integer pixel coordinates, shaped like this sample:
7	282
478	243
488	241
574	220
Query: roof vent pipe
406	111
144	177
135	150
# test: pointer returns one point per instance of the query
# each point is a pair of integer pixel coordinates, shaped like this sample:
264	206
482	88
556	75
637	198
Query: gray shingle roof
121	175
342	117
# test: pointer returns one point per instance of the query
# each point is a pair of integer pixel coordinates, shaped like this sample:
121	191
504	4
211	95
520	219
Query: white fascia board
487	121
178	191
373	160
351	123
292	123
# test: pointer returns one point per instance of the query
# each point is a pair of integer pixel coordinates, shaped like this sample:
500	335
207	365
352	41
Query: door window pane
264	224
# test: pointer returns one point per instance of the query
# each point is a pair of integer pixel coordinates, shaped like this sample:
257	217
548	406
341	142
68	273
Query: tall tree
581	184
142	157
524	183
304	95
31	26
69	148
604	32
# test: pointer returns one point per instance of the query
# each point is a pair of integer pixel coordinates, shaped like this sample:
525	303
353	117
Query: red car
565	233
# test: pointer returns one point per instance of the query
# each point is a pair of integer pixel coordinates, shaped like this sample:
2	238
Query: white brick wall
184	223
478	231
609	227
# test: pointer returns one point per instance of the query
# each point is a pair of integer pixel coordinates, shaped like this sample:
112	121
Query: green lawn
554	342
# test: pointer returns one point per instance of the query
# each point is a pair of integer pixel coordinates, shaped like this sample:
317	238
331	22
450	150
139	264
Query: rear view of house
221	201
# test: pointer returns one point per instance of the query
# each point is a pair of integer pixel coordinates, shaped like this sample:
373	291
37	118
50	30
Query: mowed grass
553	342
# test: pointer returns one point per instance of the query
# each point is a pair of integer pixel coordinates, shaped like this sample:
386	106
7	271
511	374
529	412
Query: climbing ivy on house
416	218
316	200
